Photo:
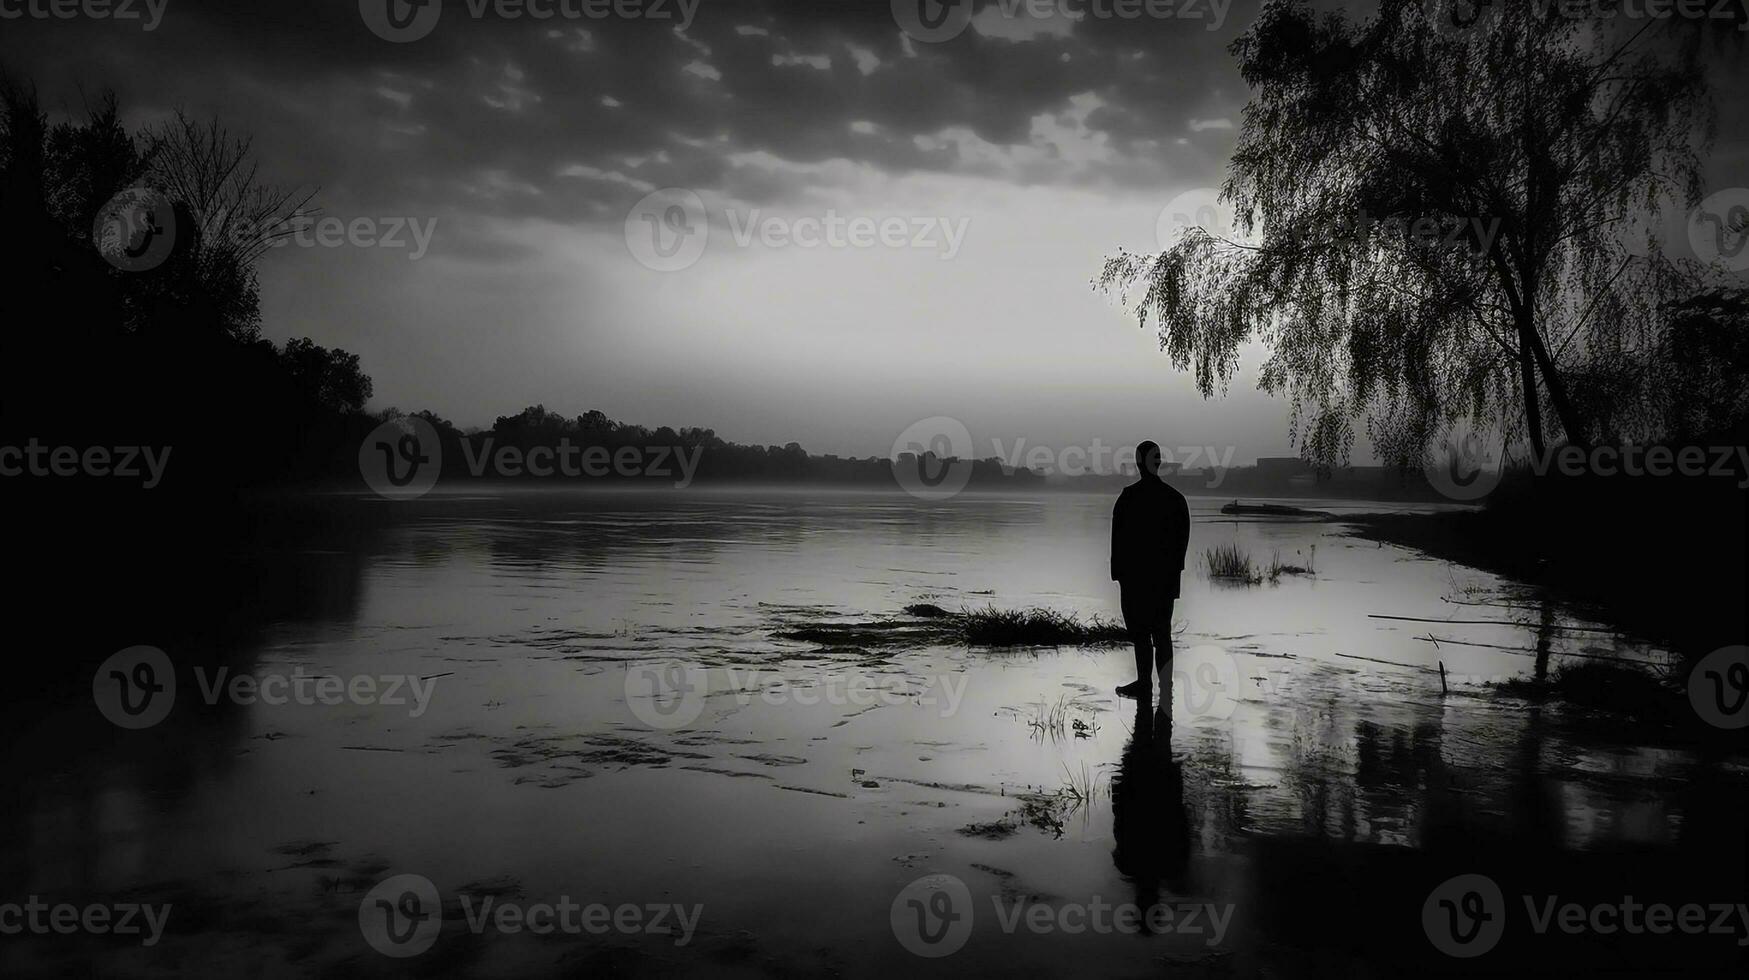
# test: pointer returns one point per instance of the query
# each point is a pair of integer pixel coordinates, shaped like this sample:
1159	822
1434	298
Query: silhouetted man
1150	530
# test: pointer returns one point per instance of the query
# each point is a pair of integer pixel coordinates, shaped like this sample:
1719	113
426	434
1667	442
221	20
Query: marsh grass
1082	788
1277	569
1054	721
1048	810
929	625
1049	719
1231	563
1036	627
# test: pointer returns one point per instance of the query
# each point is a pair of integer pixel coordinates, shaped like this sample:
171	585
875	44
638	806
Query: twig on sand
1491	605
1496	622
1516	651
1393	663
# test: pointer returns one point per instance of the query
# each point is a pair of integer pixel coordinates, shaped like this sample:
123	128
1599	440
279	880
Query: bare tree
237	216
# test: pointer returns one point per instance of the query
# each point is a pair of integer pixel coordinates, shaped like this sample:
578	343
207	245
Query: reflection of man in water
1147	808
1150	530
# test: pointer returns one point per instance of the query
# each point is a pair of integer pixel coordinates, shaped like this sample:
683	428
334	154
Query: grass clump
1277	568
1230	563
992	627
1050	719
929	625
1080	789
1049	810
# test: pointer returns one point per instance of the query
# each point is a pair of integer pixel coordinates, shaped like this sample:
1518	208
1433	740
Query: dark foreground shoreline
1629	578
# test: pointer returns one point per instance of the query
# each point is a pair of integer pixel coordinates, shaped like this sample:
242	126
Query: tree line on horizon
720	460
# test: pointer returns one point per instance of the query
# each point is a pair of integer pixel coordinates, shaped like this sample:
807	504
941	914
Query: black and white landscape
502	488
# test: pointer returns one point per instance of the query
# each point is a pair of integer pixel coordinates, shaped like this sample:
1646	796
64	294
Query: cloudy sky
962	193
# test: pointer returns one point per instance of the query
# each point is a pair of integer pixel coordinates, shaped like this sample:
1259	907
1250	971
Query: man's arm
1117	536
1180	529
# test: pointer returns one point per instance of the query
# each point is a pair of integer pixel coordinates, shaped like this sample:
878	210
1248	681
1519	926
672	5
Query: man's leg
1144	654
1138	621
1163	641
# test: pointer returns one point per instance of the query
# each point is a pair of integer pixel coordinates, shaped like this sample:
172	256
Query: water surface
1316	779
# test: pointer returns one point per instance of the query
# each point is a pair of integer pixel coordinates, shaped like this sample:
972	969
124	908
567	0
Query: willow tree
1440	215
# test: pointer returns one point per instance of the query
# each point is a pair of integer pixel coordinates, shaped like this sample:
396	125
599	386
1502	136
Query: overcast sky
1013	157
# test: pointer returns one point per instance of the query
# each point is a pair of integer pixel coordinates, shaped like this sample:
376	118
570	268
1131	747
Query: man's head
1148	459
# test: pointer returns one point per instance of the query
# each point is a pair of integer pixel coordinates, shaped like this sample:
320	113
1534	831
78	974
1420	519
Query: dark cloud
1087	129
491	112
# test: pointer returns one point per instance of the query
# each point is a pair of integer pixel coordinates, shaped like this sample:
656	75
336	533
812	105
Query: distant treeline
539	444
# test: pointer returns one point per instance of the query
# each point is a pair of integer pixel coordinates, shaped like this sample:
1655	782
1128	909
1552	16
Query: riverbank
1668	575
